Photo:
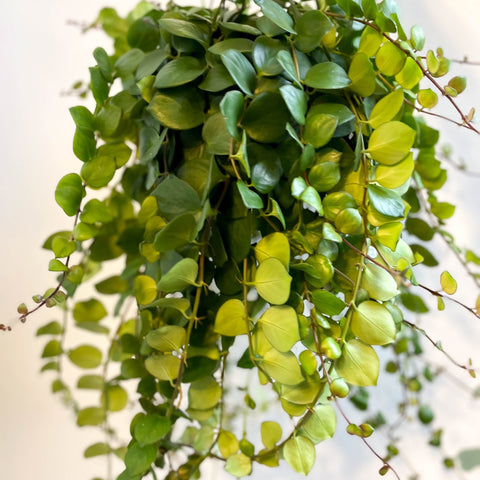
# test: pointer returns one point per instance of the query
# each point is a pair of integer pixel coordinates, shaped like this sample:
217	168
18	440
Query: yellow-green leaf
448	283
359	364
272	281
373	323
299	452
145	289
280	326
230	319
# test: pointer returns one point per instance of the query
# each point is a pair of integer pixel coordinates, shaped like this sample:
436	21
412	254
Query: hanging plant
254	172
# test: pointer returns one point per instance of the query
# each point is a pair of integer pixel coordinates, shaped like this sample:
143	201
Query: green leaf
112	285
231	107
282	367
52	349
410	75
272	281
386	201
185	29
319	129
391	142
370	41
448	283
417	37
324	176
285	59
180	276
95	211
274	12
139	458
275	245
250	198
296	101
96	450
51	328
128	62
394	176
230	319
241	70
114	398
145	289
266	118
91	416
98	171
299	452
62	247
98	85
321	425
327	303
175	196
244	45
85	356
264	56
180	231
163	367
306	194
168	338
179	71
179	108
204	394
390	59
271	433
386	108
359	364
280	326
227	444
362	75
91	382
180	304
379	283
151	428
82	117
69	193
150	63
328	76
373	323
89	311
311	27
238	465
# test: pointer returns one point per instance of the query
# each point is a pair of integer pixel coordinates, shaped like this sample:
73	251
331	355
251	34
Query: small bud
22	309
37	298
50	302
384	470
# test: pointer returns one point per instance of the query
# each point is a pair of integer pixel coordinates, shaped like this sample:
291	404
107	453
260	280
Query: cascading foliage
254	171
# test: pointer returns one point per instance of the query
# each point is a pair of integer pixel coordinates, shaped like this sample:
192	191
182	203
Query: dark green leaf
386	201
178	108
328	76
179	71
231	107
275	13
241	70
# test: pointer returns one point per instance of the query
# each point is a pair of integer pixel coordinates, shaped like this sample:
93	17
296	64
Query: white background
40	57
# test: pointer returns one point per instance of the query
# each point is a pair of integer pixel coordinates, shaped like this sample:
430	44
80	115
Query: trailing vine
259	170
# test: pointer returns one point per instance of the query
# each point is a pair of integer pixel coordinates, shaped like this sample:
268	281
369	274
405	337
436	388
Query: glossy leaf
85	356
275	245
69	193
328	76
231	107
179	71
178	108
180	276
296	101
145	289
299	452
362	75
386	108
168	338
250	198
280	326
272	281
163	367
391	142
321	425
373	324
241	70
274	12
230	319
151	428
359	364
